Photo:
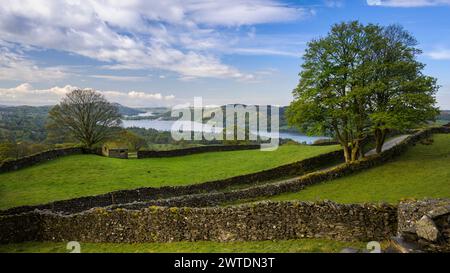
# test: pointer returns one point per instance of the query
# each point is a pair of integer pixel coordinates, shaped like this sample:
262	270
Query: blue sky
162	53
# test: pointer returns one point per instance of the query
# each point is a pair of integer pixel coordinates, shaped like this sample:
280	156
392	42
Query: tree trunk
380	137
355	151
347	154
361	153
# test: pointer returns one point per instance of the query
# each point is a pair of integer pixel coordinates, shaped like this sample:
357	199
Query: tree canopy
86	115
362	80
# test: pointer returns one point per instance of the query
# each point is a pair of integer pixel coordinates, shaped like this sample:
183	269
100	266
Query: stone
426	229
349	250
439	211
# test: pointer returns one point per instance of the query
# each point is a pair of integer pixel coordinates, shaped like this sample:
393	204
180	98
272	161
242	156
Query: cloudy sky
157	53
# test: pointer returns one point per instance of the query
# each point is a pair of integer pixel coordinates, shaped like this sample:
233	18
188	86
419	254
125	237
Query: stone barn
115	150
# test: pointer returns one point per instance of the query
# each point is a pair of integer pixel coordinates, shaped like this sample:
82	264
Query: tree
328	98
402	96
86	115
358	81
8	150
133	140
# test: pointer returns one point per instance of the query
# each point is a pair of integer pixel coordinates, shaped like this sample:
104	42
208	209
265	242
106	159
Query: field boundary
256	222
35	159
195	150
203	194
28	161
151	193
285	186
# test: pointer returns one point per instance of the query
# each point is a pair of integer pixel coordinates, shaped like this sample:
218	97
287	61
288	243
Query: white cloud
238	12
13	66
27	94
439	54
170	35
408	3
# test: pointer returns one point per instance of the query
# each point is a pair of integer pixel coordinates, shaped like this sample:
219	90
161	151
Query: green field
289	246
82	175
423	171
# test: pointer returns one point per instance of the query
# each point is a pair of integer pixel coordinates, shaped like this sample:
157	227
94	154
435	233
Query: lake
166	125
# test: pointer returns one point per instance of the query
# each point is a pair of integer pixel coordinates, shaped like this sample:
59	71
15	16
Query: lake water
166	125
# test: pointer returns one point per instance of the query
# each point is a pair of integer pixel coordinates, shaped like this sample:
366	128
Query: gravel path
389	144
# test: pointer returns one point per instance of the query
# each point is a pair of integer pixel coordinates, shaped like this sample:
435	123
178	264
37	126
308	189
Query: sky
163	53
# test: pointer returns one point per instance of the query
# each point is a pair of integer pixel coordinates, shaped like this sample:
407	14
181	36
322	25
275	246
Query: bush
325	141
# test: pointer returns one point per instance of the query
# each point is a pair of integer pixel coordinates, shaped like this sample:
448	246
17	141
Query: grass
289	246
82	175
422	172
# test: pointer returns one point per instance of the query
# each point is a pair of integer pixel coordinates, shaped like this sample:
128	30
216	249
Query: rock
426	229
400	244
349	250
439	211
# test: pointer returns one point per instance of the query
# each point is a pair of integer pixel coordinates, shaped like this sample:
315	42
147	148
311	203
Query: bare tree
86	115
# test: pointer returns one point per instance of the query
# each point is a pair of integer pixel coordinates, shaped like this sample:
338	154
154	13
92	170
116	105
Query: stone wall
291	185
261	221
426	223
195	150
199	195
12	165
147	194
258	191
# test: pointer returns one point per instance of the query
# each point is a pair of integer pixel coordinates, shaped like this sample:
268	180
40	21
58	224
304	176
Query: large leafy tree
401	95
354	84
86	115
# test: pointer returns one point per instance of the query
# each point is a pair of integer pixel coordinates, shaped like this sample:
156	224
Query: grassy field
423	171
290	246
82	175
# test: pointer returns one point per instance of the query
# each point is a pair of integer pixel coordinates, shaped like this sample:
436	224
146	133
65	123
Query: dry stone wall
147	194
291	185
180	196
28	161
426	223
12	165
195	150
261	221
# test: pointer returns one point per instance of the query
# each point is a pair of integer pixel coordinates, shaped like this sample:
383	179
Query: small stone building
115	150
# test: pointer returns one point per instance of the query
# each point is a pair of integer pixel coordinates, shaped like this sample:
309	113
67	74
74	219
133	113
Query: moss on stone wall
262	221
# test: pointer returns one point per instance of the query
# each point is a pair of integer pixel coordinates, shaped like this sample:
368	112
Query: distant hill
27	123
23	123
128	111
445	115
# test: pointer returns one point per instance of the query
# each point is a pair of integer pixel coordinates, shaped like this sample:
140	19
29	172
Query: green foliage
361	80
152	136
28	123
82	175
23	123
133	141
12	150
